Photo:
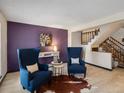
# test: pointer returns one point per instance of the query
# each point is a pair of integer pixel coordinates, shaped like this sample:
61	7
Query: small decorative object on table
59	61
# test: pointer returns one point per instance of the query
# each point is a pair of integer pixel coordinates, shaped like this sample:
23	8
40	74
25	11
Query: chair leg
32	92
49	82
23	87
69	74
85	73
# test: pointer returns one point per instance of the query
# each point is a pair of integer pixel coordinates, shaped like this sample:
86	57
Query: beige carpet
102	81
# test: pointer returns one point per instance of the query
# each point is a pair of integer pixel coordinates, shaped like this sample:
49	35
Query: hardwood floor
102	81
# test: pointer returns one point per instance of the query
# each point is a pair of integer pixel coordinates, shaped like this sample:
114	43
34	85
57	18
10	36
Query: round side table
57	68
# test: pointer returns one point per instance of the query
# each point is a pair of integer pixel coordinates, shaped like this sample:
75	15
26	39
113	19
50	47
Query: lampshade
55	48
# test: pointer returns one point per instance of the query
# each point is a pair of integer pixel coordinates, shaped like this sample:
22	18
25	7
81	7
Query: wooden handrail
113	46
116	45
114	52
117	41
87	36
108	39
108	45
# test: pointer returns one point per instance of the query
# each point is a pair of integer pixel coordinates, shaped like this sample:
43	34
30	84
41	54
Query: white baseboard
2	77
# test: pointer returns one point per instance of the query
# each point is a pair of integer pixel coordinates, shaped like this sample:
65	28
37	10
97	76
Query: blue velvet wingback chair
75	52
32	81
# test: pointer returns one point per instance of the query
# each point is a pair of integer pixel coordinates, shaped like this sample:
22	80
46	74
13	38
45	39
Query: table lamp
55	48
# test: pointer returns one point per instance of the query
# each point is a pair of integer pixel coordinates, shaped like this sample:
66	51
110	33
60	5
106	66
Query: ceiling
59	13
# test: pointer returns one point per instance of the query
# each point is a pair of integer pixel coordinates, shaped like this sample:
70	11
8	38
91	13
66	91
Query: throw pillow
32	68
74	60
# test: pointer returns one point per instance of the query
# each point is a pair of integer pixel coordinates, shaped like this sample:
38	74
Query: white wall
102	59
105	32
69	39
118	35
3	44
76	39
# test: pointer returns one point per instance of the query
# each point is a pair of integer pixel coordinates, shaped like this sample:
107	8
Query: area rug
64	84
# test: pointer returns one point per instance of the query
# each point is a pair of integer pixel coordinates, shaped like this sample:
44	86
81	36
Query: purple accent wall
27	36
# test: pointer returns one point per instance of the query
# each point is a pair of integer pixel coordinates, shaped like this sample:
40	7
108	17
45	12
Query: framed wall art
45	39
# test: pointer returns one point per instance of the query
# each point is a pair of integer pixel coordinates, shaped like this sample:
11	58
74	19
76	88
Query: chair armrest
69	62
43	67
24	76
82	62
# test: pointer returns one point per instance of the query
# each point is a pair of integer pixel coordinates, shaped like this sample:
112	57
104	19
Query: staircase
86	37
116	48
